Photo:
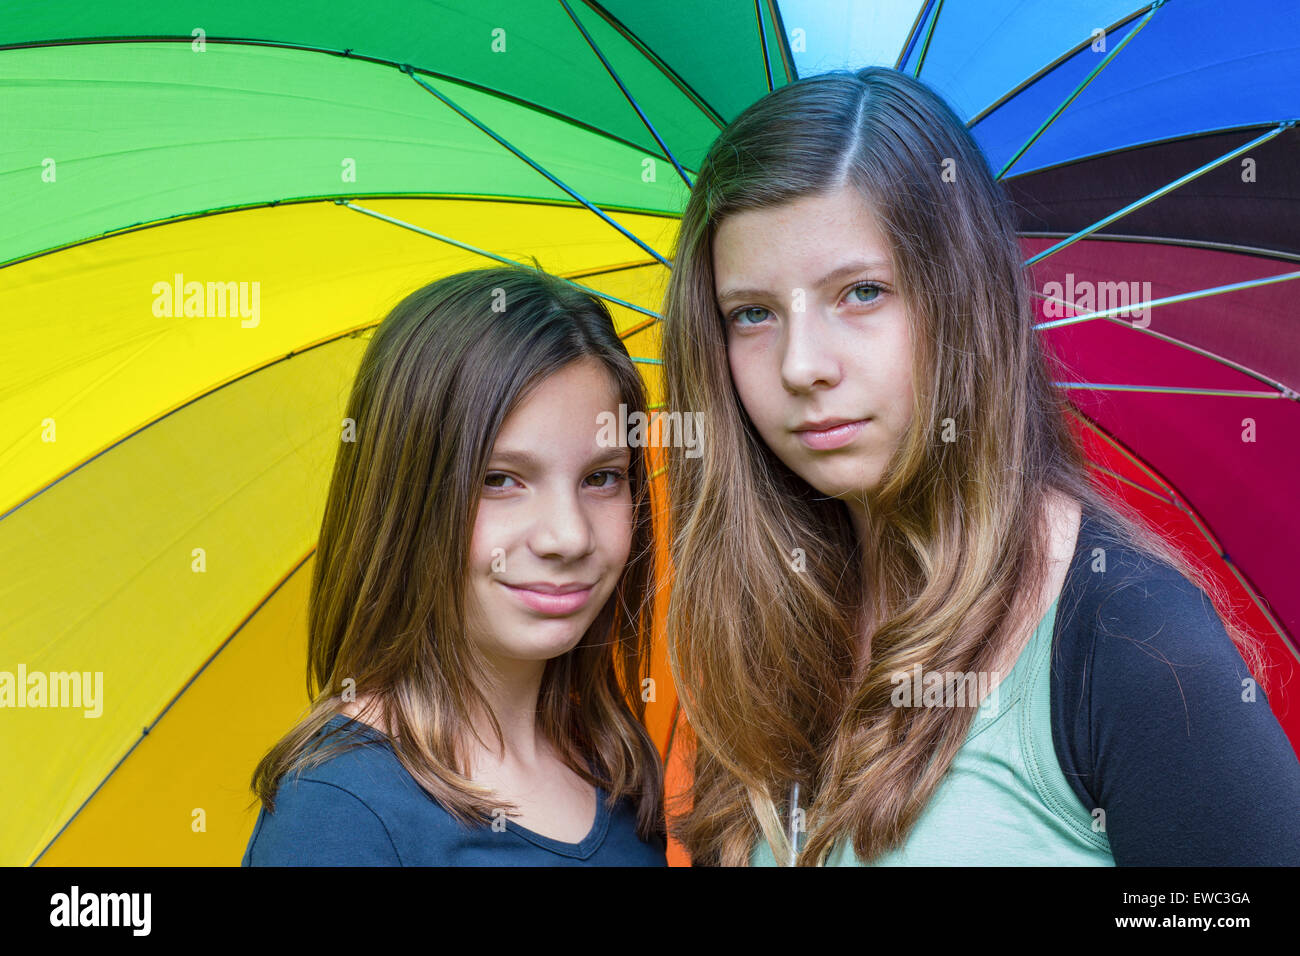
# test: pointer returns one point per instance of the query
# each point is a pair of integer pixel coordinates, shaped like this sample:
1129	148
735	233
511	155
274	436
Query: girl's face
818	339
554	522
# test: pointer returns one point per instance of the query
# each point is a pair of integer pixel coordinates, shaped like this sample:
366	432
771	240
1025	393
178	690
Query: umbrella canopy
209	210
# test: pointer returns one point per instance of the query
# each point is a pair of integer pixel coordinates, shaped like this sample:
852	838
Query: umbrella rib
1181	504
606	270
409	71
639	327
1259	603
144	733
1170	390
912	34
783	42
1135	484
300	350
630	98
1092	75
1263	251
1132	458
490	255
1132	150
929	32
1196	349
762	40
1156	194
270	203
1030	81
658	63
1166	300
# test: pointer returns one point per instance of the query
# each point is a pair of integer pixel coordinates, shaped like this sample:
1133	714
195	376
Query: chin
842	482
544	640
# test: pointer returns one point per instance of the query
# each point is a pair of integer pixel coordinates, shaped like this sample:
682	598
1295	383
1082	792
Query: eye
734	317
496	479
611	476
865	287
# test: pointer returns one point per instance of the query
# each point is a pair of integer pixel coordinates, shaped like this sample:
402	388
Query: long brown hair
387	604
956	552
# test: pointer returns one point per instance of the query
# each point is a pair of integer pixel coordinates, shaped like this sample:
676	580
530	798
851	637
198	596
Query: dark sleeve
1189	769
319	824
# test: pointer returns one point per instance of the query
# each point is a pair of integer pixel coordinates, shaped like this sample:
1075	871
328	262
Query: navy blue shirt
362	808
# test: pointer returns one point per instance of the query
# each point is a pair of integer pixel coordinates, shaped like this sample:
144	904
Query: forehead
560	412
799	240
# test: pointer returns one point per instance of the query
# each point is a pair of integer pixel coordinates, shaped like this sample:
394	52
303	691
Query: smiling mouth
551	602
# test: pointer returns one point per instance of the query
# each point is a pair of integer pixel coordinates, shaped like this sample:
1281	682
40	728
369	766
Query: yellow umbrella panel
164	476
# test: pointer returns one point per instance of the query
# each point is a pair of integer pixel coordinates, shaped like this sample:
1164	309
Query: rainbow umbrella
1154	165
210	209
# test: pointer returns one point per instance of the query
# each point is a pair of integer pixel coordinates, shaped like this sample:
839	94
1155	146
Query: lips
546	588
825	424
550	599
833	433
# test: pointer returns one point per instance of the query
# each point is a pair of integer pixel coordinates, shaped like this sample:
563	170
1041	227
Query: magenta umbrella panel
1155	164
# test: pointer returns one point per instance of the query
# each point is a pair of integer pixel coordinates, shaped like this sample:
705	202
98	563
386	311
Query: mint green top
1004	800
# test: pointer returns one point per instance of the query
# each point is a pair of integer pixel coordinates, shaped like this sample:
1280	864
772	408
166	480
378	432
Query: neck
511	689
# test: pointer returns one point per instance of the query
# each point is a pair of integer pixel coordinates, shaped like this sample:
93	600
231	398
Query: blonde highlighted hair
956	552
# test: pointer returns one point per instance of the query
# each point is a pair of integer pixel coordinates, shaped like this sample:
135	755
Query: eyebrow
526	459
846	269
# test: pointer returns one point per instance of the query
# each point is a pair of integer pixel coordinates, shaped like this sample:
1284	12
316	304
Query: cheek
613	522
755	384
903	380
490	533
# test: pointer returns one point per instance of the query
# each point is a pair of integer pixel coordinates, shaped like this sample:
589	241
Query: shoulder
1140	623
1160	658
1160	719
331	814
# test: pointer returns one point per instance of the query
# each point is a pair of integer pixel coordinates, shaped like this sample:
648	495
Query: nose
808	356
561	527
